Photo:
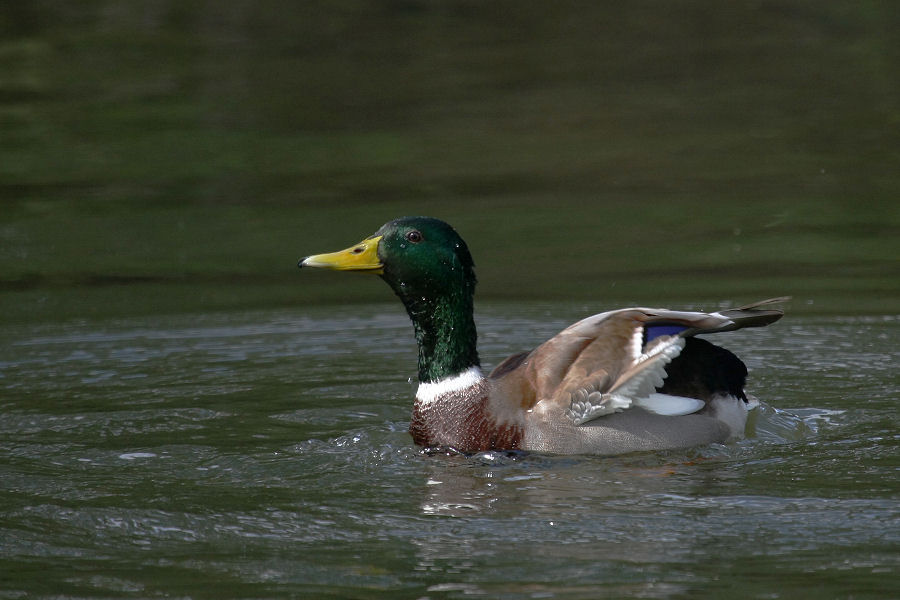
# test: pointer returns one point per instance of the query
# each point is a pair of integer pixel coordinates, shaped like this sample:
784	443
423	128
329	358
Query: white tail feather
670	406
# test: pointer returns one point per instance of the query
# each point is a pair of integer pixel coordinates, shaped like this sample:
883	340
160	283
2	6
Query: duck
617	382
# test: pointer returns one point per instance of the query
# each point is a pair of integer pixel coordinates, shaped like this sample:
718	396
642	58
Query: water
184	414
159	156
264	454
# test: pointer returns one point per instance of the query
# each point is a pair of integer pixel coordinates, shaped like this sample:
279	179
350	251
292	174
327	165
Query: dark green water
184	414
167	155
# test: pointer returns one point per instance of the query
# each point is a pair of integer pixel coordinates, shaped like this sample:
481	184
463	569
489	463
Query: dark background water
184	414
185	154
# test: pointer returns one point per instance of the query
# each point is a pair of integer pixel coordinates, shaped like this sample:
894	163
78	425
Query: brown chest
463	422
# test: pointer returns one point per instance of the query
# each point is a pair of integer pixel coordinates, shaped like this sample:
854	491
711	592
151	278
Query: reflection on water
269	451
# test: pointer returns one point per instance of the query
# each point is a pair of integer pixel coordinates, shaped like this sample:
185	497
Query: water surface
265	454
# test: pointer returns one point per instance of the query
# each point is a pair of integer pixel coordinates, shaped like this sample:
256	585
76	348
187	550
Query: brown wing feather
597	352
584	355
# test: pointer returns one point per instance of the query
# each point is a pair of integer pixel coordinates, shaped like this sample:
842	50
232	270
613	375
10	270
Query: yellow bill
360	257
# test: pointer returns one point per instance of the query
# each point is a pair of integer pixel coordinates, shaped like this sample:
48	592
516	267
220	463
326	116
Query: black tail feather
703	370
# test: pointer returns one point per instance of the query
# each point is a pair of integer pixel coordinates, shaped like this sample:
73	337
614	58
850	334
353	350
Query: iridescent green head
429	267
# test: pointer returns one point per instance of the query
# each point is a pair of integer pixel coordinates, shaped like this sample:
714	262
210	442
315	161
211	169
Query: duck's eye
414	237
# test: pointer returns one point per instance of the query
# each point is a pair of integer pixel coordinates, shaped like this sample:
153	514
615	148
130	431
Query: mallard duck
633	379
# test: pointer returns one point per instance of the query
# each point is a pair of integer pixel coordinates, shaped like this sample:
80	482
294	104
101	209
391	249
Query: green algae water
183	414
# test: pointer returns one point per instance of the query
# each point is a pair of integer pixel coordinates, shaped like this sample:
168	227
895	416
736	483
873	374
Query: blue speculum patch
651	332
